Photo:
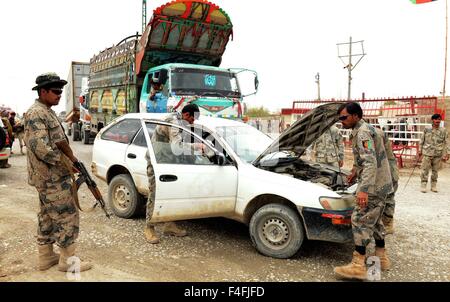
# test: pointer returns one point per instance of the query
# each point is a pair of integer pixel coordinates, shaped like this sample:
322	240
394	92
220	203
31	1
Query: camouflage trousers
20	136
389	209
151	195
367	222
428	162
58	218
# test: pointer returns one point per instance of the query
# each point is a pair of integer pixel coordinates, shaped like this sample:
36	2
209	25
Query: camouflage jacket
46	163
370	161
329	147
434	142
390	154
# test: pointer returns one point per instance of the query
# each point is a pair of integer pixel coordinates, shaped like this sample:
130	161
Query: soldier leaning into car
433	147
371	166
329	148
50	164
174	136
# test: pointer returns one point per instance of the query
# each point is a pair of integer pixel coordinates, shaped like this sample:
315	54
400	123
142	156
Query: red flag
421	1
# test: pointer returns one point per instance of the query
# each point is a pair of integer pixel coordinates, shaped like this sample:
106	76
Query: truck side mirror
256	82
160	77
163	76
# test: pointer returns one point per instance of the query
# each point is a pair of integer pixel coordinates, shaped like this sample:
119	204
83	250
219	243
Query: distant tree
258	112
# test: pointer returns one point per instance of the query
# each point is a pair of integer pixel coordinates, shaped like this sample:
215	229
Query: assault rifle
84	177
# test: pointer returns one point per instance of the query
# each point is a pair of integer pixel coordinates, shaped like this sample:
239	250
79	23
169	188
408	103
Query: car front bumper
327	225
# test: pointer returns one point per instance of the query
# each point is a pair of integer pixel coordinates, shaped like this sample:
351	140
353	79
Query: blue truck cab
215	90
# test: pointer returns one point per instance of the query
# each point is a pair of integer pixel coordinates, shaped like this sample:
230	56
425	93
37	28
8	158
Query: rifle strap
68	163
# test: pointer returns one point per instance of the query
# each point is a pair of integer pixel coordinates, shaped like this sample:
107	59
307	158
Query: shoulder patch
367	144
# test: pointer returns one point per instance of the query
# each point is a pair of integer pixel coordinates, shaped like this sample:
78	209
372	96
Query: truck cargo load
183	38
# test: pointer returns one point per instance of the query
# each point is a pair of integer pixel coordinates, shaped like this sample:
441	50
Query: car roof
207	121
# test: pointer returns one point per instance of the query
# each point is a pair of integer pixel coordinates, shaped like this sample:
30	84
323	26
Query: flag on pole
421	1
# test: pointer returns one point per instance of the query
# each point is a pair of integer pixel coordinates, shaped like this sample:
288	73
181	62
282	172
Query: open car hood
304	131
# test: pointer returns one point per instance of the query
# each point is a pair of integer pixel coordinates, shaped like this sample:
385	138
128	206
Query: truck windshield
189	81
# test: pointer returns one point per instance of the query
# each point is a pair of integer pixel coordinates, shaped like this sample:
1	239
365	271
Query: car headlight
335	204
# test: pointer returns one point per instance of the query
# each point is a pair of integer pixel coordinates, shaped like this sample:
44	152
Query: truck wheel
276	231
85	137
124	199
76	132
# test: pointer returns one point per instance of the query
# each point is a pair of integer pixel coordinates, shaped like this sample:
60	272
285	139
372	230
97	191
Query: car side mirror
221	159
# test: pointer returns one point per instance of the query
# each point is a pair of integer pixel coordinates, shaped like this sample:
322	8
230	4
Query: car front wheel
124	199
276	231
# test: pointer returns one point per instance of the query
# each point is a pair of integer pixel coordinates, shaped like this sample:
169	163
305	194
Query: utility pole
446	43
144	15
318	86
350	65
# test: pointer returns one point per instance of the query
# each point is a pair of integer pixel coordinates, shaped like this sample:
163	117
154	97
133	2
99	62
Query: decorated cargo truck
180	51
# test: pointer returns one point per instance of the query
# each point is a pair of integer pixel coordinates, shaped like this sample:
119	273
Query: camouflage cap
46	79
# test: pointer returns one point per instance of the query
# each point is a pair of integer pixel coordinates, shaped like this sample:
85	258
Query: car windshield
247	142
204	83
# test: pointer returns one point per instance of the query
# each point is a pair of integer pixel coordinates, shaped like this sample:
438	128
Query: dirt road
217	249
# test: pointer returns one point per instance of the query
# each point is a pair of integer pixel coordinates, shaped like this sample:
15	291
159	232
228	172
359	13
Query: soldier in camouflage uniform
50	164
433	147
371	167
389	209
329	148
171	137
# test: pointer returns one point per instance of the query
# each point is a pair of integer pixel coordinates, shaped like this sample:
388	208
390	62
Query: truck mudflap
326	225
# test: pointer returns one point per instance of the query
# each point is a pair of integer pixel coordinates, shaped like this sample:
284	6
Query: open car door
190	184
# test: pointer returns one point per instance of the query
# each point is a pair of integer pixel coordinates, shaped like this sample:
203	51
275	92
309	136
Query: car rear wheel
276	231
124	200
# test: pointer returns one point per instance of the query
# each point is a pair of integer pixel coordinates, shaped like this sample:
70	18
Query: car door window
139	140
183	152
123	132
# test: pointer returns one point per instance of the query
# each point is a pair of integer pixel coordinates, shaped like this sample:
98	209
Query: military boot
171	228
355	269
384	260
68	252
433	187
150	235
423	187
388	225
47	258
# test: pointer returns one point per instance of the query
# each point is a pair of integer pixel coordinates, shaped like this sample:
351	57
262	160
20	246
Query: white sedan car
251	178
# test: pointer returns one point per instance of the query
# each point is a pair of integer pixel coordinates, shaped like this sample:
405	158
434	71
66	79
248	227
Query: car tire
124	200
276	231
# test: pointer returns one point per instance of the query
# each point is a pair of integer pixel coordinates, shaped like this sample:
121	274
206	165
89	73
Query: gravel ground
217	249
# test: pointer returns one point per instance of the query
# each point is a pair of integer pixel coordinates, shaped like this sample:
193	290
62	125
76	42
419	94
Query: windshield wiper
212	93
